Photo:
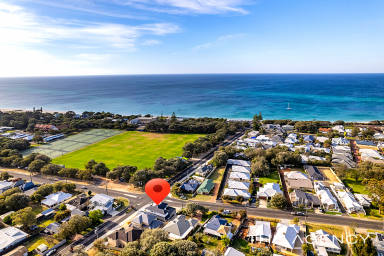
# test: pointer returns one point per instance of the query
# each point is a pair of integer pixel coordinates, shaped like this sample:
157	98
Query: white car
83	187
226	212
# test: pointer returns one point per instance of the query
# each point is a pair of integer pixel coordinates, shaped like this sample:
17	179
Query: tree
89	192
90	164
176	190
296	220
173	118
5	176
105	252
340	170
225	241
79	250
11	191
99	244
221	209
162	249
36	166
100	169
25	217
37	138
184	248
17	201
364	248
256	121
243	214
50	169
44	158
240	198
305	248
260	167
132	249
220	158
62	207
191	208
150	237
278	201
215	252
327	143
376	191
96	215
355	131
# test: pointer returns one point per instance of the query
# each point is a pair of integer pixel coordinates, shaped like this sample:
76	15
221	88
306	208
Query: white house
233	252
269	190
305	159
340	141
102	202
370	153
288	127
323	243
286	236
326	150
240	176
239	162
296	175
180	228
5	185
338	185
322	139
339	128
290	140
253	134
236	192
262	138
351	205
238	185
261	232
328	201
292	135
238	168
10	236
162	211
56	198
364	200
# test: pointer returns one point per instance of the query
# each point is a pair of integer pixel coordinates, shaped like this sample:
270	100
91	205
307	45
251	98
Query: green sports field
139	149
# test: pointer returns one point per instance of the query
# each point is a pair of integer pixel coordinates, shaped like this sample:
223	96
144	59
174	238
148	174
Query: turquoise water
350	97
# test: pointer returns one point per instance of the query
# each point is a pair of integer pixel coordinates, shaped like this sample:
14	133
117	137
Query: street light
97	235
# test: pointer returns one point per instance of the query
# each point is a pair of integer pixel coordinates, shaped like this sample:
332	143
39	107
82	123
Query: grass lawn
212	244
217	175
273	177
125	203
38	208
333	213
242	246
330	229
46	222
139	149
197	197
34	243
357	187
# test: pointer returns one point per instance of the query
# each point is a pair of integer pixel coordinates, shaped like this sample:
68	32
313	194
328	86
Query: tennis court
63	146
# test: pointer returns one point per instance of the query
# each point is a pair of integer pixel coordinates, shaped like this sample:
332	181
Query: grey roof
144	218
180	225
345	159
215	222
310	197
161	208
48	211
365	142
300	183
30	192
308	138
53	227
314	173
277	138
77	212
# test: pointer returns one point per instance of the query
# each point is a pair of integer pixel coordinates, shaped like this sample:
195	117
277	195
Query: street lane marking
169	200
131	195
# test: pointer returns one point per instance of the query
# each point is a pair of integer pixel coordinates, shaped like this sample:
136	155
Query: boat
288	107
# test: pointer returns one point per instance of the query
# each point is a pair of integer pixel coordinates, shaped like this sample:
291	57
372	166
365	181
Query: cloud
150	42
89	56
188	6
214	43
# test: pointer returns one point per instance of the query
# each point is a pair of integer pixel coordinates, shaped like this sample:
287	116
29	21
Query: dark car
298	213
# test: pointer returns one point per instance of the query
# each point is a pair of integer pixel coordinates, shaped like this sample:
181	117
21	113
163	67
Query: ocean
348	97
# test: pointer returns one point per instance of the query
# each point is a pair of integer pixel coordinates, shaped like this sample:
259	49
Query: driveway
262	203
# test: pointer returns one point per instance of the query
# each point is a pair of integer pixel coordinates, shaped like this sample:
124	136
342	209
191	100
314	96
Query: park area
71	143
139	149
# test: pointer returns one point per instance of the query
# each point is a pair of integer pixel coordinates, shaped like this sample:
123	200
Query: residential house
6	214
340	141
341	150
27	186
180	228
288	127
240	176
30	192
301	148
19	251
318	149
253	134
299	184
268	144
45	127
233	252
366	153
52	228
162	211
299	197
239	162
378	136
328	201
78	212
277	139
102	202
5	185
238	168
286	236
18	183
338	185
314	173
10	236
262	138
206	187
308	138
204	170
190	186
339	128
55	199
295	175
323	243
269	190
365	143
144	220
120	238
351	205
261	232
364	200
292	135
45	214
306	159
286	145
218	227
290	140
238	185
232	193
325	130
322	139
346	159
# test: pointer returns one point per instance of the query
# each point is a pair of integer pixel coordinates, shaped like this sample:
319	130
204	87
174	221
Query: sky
106	37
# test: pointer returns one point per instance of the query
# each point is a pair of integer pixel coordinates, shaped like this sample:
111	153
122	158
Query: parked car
298	213
51	252
226	212
83	187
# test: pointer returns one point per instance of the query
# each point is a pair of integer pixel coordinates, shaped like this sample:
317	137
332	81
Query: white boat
288	107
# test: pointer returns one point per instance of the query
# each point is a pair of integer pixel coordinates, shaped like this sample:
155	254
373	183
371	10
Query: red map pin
157	190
